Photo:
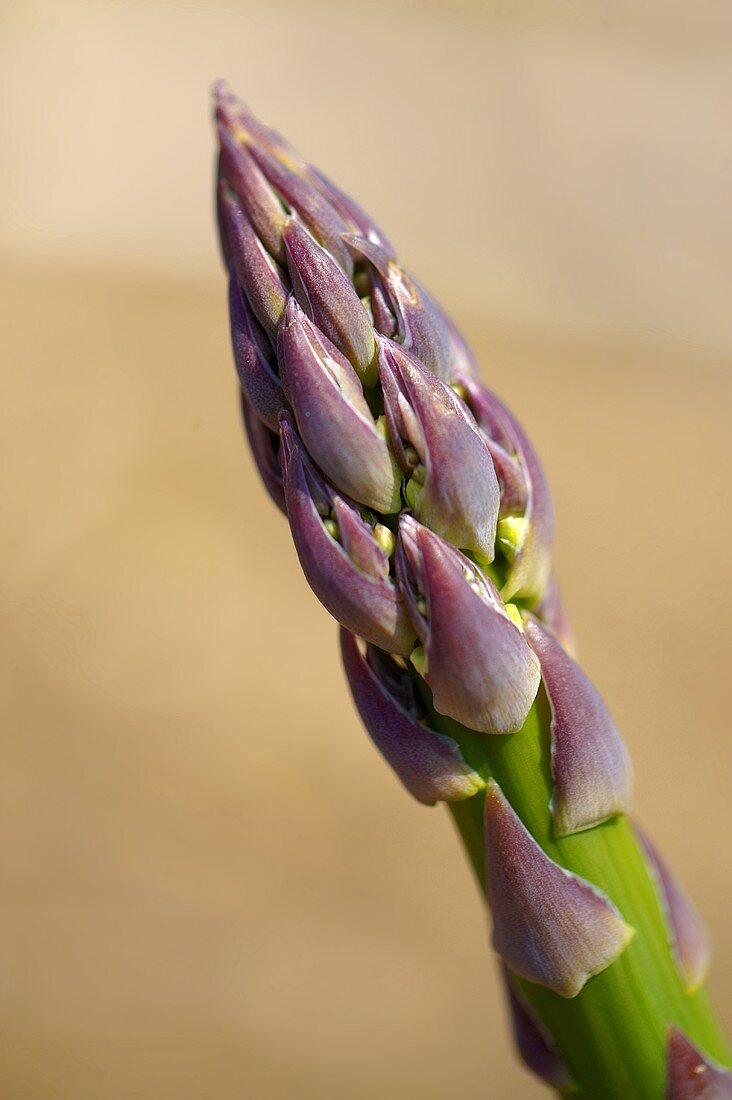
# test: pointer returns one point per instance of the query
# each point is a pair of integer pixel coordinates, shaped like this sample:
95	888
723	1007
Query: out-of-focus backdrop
211	884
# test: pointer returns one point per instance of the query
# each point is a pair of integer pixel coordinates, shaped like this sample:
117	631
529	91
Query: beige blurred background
211	886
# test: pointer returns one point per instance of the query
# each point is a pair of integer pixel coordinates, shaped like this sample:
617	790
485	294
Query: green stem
612	1034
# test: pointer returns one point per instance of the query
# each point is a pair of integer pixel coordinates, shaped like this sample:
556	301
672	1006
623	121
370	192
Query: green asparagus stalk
423	522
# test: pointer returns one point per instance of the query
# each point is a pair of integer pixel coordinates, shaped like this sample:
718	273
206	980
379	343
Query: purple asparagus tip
533	1041
691	1075
333	415
593	777
328	297
421	326
549	925
429	764
452	485
261	278
687	932
526	528
477	662
344	559
265	446
254	359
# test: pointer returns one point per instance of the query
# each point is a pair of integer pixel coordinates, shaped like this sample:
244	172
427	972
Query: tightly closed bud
592	773
244	126
533	1041
252	355
527	544
324	208
421	325
358	220
687	933
329	299
341	557
429	764
691	1075
322	220
261	278
478	665
333	416
384	319
264	445
263	207
453	487
549	925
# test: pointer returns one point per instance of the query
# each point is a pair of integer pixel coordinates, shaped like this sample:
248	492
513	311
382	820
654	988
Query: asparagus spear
423	522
